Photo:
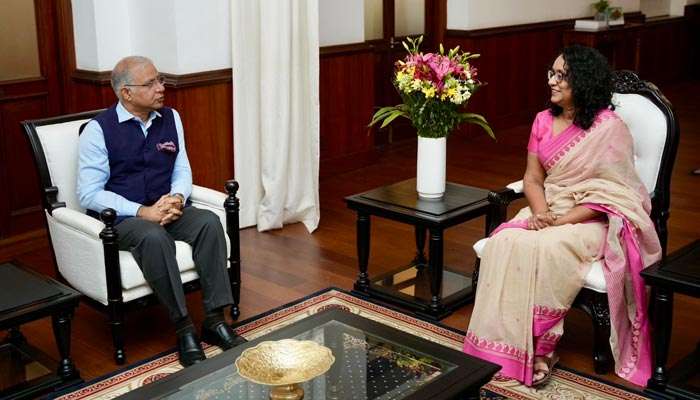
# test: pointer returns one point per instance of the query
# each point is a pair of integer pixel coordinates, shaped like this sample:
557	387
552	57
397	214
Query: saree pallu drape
529	279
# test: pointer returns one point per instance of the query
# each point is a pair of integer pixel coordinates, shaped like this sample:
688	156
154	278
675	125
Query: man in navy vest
133	159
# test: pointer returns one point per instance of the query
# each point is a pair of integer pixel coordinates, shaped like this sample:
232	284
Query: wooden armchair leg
234	277
475	274
232	207
600	314
116	323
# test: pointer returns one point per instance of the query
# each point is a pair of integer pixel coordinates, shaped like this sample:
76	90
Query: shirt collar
124	115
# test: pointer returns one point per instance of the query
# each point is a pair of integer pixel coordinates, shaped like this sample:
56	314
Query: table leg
15	336
662	337
435	263
61	330
420	260
363	231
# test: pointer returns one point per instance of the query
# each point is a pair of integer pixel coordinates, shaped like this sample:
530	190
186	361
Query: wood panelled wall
513	58
19	100
346	86
692	12
354	80
205	103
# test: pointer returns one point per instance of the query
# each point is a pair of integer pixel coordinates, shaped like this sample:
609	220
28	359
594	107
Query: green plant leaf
381	114
384	110
467	116
391	117
484	125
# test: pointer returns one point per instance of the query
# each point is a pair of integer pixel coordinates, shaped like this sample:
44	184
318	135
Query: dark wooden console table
425	286
621	45
678	273
26	296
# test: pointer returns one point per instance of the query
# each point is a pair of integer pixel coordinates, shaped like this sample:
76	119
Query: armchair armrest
208	197
500	200
79	221
517	186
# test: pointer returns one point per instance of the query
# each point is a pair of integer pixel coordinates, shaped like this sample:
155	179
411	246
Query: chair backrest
54	144
654	126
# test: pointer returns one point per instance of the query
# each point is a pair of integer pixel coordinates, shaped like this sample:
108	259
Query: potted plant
435	89
601	10
616	16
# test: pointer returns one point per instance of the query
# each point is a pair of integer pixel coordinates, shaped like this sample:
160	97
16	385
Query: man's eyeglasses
558	76
152	83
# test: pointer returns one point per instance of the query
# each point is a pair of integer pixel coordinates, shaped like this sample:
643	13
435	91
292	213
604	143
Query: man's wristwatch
180	196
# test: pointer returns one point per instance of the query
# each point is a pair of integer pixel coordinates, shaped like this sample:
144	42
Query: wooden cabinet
658	49
620	45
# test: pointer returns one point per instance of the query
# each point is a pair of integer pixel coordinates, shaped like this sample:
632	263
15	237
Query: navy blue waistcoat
140	167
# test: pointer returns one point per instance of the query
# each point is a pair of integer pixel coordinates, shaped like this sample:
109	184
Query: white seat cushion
132	275
595	280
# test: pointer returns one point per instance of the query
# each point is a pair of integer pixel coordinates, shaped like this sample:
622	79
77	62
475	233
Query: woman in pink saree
586	203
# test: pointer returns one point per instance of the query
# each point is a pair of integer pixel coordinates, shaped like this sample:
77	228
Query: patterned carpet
563	385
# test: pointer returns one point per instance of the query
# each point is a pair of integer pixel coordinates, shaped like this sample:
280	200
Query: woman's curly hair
590	78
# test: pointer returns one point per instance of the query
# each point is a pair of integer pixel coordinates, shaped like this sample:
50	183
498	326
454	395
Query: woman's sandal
551	362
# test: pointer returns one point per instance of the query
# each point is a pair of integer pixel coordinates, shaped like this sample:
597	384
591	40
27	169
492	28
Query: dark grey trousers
153	247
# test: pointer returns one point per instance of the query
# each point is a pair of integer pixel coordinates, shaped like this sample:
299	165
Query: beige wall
409	17
19	55
374	28
654	8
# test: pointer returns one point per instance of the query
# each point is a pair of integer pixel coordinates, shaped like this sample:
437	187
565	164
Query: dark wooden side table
26	296
424	286
678	273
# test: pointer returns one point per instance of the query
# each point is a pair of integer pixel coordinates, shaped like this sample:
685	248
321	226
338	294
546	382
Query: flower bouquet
435	88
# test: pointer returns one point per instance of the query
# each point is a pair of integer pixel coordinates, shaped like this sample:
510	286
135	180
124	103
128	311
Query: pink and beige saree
529	279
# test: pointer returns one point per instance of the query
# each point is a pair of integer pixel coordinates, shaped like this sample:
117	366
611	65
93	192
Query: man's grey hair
121	73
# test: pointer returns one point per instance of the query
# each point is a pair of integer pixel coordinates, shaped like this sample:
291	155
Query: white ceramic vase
430	167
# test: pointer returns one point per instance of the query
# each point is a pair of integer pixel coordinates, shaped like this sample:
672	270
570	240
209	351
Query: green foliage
601	6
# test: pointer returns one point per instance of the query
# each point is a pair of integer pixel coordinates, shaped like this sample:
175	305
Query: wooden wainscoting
347	90
205	103
354	80
20	203
36	97
692	12
514	57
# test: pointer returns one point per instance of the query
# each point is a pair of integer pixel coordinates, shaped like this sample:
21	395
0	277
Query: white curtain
276	111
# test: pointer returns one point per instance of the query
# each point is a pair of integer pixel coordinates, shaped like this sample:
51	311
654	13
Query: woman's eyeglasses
558	76
152	83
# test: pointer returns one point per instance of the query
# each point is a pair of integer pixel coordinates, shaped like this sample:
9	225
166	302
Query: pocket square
167	147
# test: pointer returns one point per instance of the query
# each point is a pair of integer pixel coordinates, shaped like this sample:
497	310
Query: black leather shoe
189	350
220	334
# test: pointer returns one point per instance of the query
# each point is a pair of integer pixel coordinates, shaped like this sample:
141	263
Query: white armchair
85	249
654	127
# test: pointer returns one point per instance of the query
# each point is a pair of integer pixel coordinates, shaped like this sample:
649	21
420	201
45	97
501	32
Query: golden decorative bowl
284	362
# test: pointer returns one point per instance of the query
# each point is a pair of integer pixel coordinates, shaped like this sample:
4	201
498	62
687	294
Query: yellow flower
429	92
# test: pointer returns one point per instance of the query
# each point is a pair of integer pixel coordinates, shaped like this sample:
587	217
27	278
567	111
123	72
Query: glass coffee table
372	362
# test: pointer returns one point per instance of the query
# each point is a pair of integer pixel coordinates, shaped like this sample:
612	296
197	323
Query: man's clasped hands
164	211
